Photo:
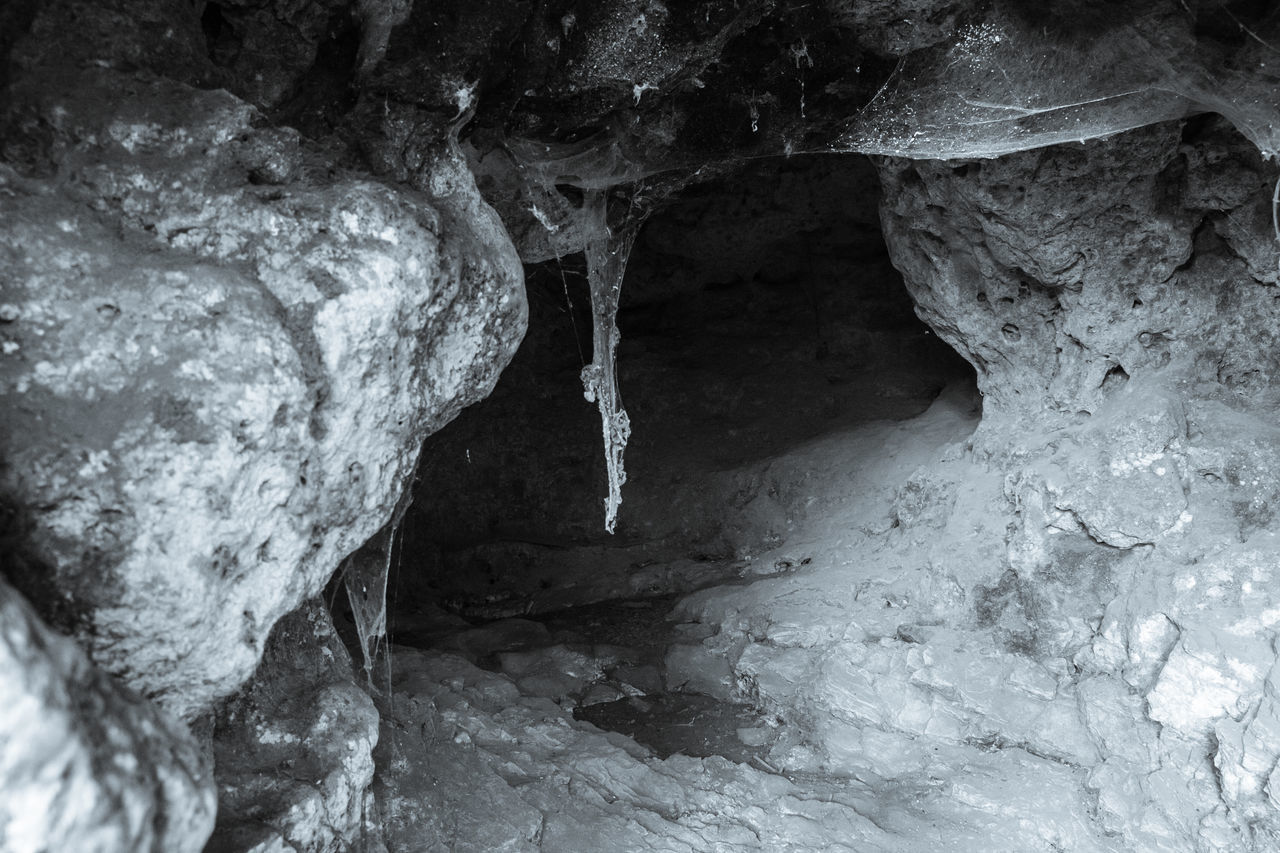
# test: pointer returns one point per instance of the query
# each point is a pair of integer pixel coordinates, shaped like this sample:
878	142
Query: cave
759	314
765	336
636	425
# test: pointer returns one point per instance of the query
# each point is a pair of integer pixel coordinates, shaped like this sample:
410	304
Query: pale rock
1125	809
774	675
197	349
1203	681
86	764
1273	787
1124	476
550	783
947	691
1149	641
699	668
1115	719
1247	753
1017	292
555	672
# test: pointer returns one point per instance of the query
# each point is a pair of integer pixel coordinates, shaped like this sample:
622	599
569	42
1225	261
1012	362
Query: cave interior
594	425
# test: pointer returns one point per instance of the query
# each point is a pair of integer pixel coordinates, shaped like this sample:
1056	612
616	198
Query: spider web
1006	85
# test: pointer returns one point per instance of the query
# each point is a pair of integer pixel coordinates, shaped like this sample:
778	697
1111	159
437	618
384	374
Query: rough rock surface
1123	343
1059	294
221	343
85	763
465	763
222	355
1143	675
294	748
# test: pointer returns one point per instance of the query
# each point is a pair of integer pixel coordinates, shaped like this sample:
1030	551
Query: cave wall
86	762
1006	259
210	323
1117	299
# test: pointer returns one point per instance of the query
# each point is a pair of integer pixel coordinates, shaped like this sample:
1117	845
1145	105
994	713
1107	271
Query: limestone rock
556	672
547	782
221	356
294	749
1011	288
85	763
1125	477
699	668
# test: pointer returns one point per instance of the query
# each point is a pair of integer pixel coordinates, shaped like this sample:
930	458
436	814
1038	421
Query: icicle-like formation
607	255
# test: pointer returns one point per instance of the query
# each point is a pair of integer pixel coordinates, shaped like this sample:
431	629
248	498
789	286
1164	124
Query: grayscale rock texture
254	253
222	352
86	763
294	749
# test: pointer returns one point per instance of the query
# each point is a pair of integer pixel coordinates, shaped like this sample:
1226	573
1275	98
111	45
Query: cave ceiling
645	97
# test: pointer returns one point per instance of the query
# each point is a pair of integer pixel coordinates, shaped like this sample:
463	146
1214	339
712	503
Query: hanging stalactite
607	253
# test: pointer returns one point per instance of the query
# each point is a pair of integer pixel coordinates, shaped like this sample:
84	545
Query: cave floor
789	704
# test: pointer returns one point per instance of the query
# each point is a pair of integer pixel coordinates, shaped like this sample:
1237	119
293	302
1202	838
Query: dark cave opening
769	351
760	314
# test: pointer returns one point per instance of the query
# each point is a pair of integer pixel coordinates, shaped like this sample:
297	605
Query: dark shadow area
759	314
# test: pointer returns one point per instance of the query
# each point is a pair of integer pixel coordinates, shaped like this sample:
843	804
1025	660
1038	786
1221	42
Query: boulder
86	764
221	355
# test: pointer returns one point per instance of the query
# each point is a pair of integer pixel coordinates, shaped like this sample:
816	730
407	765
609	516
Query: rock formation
1002	579
87	763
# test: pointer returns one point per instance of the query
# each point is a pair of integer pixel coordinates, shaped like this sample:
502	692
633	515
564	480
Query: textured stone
85	763
1136	416
219	385
222	349
556	672
468	764
706	277
700	668
1020	293
293	748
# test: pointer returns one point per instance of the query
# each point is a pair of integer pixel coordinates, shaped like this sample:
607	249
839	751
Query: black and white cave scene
609	426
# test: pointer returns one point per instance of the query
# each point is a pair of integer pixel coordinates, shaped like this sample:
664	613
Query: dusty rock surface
293	749
1142	674
457	737
1059	294
245	269
85	763
1058	613
1095	698
204	326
